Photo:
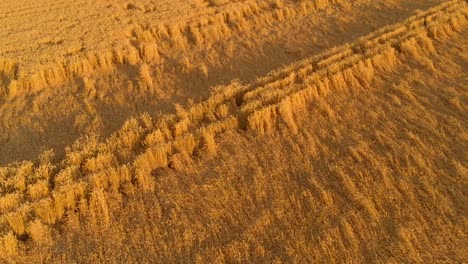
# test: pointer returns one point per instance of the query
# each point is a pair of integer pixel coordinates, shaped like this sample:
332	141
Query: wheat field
233	131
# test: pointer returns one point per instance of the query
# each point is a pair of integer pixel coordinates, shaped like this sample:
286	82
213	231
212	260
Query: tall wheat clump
209	142
286	111
40	233
99	205
10	201
17	223
39	189
152	159
46	211
9	245
264	120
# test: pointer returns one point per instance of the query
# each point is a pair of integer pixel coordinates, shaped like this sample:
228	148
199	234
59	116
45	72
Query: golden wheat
37	195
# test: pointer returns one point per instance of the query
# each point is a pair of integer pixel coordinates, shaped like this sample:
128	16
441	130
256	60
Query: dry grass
351	155
206	29
97	87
